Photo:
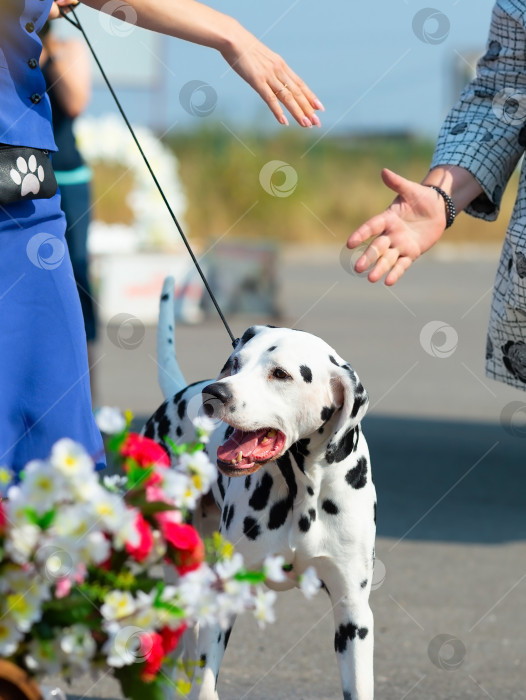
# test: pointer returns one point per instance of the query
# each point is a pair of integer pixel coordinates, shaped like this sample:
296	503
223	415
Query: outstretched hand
273	80
407	228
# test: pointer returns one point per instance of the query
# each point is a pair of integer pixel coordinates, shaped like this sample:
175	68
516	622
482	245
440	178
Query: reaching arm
413	223
263	70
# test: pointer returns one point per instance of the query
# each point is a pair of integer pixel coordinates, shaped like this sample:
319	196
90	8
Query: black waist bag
25	173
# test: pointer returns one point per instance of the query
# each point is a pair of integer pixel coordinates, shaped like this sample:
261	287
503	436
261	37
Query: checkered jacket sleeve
485	132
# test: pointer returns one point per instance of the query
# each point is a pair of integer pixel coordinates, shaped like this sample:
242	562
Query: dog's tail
171	378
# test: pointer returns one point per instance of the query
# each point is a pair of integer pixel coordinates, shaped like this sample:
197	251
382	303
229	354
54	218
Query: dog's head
278	386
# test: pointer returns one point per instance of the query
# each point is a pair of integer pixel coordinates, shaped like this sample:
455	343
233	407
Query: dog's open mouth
245	451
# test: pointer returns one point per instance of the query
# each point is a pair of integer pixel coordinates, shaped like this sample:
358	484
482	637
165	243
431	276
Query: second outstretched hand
412	224
265	71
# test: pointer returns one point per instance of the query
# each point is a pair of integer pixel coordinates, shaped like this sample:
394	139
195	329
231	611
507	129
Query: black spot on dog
299	451
202	660
374	513
248	481
228	432
165	297
149	429
347	443
310	490
360	398
306	373
279	513
227	636
269	326
221	486
357	476
331	358
181	409
251	528
219	636
271	348
178	431
229	516
232	409
170	340
347	633
304	523
347	695
363	584
327	413
312	514
330	507
261	494
248	334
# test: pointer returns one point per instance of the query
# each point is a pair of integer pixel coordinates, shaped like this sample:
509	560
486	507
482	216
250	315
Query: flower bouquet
85	562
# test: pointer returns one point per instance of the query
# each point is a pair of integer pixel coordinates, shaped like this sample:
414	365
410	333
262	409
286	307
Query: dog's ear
350	394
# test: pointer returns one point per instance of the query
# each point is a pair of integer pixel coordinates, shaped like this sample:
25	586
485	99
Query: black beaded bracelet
450	207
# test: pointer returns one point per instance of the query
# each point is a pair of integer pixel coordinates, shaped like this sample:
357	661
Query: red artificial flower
144	451
3	518
141	550
153	652
171	637
189	548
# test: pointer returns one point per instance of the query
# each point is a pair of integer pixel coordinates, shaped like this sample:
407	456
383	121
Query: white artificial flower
78	647
74	520
264	606
118	605
110	420
24	608
226	568
44	656
110	511
43	486
309	582
126	532
95	548
10	636
72	460
123	646
200	469
114	482
180	489
204	426
21	542
273	568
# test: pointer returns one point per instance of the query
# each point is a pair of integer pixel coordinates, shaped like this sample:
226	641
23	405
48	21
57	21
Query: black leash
78	25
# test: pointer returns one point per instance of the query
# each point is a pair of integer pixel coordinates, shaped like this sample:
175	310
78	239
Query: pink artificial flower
144	451
189	548
141	550
153	651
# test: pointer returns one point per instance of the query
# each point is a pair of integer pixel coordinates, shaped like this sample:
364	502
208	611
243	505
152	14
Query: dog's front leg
354	635
211	646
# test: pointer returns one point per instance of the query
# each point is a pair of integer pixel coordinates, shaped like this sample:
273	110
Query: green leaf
250	576
135	688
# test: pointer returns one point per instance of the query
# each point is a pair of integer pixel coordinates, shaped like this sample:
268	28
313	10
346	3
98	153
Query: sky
377	65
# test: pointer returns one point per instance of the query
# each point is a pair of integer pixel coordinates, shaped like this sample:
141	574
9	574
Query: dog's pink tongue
239	441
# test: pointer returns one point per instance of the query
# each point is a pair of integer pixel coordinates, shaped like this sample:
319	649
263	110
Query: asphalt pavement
448	454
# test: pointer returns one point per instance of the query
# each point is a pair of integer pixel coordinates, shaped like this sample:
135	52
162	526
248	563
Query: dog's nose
215	396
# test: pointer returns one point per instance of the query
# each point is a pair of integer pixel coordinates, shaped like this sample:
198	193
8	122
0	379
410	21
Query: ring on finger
285	87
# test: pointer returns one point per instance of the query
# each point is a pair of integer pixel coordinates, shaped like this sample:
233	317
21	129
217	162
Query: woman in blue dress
44	374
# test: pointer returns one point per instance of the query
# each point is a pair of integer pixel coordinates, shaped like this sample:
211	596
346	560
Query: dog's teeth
239	456
271	434
265	439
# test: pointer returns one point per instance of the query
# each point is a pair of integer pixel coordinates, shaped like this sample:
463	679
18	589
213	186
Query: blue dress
44	376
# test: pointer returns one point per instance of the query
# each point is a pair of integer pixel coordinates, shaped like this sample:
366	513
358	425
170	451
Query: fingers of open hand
289	90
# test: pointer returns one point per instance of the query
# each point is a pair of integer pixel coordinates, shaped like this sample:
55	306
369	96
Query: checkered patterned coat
485	133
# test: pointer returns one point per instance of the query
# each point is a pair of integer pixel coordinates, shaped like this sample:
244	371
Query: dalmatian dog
294	476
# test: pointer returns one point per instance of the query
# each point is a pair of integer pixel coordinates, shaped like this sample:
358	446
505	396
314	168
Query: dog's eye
279	373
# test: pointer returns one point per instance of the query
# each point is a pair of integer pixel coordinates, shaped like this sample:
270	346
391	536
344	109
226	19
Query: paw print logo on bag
28	174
